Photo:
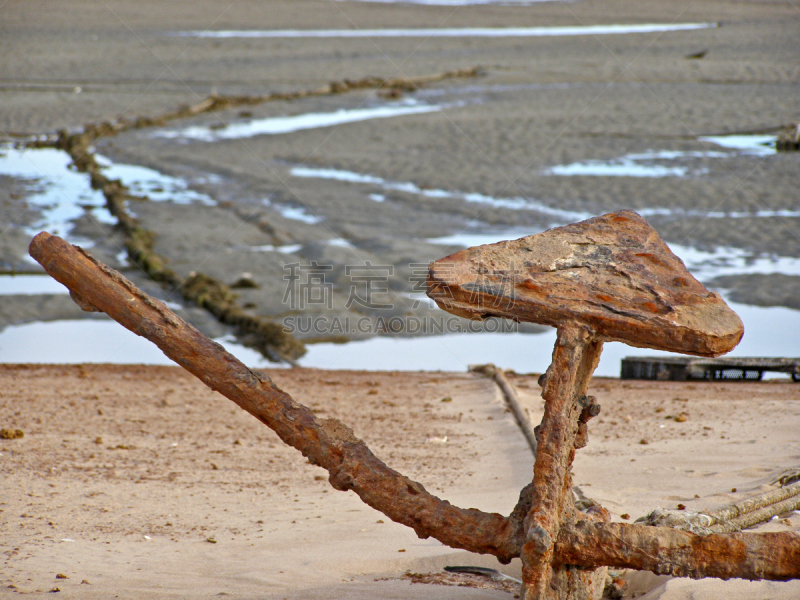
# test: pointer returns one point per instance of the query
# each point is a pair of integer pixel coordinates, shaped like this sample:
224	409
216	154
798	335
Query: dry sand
125	474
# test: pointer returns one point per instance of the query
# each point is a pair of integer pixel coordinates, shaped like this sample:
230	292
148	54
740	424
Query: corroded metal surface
562	430
669	551
612	273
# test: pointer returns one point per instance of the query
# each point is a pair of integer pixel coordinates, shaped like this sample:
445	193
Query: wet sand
540	102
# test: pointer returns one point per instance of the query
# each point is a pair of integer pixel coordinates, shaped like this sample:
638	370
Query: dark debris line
253	330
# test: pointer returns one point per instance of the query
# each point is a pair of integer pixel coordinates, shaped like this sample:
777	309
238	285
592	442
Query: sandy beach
145	484
136	481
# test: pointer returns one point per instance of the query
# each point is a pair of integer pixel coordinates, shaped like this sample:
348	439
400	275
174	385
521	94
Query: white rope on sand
731	517
726	519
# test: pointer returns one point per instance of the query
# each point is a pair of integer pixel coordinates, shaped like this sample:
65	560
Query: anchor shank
575	356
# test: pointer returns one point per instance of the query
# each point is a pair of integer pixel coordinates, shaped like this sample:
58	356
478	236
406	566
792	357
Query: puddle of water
562	216
705	265
288	249
716	214
626	166
457	2
768	332
450	32
30	285
483	90
77	341
33	285
632	165
772	331
63	195
122	258
298	214
81	341
280	125
644	165
157	186
340	243
336	175
411	188
756	145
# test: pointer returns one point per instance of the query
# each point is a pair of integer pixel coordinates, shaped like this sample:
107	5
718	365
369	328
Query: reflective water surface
280	125
768	332
451	32
60	193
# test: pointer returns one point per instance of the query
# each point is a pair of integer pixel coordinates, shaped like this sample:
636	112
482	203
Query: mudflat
482	157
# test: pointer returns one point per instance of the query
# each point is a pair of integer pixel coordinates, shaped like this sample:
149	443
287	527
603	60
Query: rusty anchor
610	278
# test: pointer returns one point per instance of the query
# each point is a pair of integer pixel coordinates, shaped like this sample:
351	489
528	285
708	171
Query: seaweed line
254	331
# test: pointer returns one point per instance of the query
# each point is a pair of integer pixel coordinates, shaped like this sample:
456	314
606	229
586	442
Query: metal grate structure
682	368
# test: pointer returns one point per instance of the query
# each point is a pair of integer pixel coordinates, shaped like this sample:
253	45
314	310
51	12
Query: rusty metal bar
669	551
326	442
556	537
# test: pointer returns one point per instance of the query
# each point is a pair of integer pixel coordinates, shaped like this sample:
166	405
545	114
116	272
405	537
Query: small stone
246	281
11	434
615	588
61	576
681	507
447	399
625	516
211	540
643	442
402	550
